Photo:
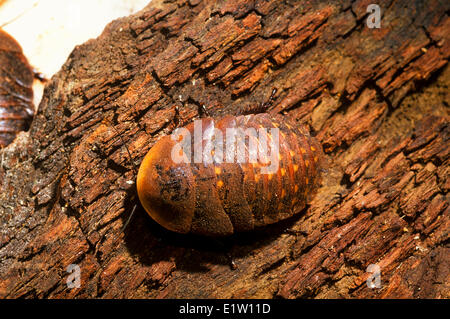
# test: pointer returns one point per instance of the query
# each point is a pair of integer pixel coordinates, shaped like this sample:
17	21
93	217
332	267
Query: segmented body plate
16	95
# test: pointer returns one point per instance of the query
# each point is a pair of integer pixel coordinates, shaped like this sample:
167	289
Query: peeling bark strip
377	99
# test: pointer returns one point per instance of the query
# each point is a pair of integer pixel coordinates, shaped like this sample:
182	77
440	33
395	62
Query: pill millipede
16	94
218	198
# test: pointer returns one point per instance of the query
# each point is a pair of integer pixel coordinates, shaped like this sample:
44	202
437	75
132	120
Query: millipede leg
262	107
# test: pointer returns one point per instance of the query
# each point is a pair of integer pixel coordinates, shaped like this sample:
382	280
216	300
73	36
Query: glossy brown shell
16	95
219	199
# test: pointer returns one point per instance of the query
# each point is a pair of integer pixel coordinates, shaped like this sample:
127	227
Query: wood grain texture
376	98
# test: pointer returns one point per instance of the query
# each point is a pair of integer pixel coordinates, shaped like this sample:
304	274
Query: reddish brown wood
376	98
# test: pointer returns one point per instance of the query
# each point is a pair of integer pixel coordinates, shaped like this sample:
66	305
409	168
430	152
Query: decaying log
377	99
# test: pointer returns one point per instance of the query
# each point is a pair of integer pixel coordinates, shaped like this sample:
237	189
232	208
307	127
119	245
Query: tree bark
377	99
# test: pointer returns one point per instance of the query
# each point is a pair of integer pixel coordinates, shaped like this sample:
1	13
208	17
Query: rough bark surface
377	99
